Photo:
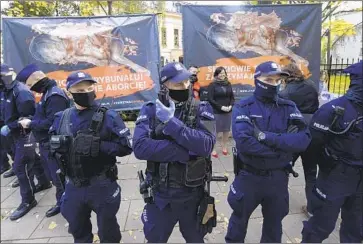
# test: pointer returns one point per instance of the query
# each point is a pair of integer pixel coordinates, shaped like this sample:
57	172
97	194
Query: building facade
170	37
350	47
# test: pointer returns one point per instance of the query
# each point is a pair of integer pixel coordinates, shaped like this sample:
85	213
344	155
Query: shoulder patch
243	118
207	115
296	116
203	102
124	131
320	126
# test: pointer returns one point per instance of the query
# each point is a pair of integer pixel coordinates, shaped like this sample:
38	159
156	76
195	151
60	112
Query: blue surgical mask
266	91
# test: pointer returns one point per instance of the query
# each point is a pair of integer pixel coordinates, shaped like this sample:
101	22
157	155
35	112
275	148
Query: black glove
206	215
159	133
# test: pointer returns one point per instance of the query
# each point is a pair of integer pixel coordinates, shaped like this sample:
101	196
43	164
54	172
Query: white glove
230	108
225	108
25	123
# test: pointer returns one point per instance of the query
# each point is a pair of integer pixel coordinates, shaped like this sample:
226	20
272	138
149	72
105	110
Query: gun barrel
219	178
141	176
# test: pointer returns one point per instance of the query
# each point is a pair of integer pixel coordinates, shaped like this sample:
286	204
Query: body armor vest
82	148
175	174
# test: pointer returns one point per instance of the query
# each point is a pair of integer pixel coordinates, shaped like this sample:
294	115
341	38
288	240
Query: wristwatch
261	136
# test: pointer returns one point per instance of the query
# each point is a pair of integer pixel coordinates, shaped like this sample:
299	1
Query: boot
53	211
23	209
9	174
15	184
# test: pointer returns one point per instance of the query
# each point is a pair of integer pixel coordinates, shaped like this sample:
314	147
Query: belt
259	172
87	182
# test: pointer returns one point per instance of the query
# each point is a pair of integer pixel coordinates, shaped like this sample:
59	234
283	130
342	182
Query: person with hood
20	103
53	100
304	94
220	96
337	141
268	130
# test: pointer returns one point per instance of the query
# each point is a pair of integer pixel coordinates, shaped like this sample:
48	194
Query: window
163	37
176	38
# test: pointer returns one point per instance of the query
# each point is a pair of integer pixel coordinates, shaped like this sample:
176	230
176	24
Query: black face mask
179	95
6	81
84	99
40	86
266	91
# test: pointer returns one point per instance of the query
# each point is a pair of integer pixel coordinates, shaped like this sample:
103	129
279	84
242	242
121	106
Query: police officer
267	131
337	132
4	160
53	100
86	139
182	136
20	103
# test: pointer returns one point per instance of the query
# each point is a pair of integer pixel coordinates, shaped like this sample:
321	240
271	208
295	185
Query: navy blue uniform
53	100
4	160
20	102
338	142
103	196
171	204
338	187
270	187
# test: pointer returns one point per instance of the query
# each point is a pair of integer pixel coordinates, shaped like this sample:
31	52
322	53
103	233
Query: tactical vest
175	174
74	166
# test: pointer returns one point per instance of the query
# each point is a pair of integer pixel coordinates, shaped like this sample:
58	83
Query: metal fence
338	82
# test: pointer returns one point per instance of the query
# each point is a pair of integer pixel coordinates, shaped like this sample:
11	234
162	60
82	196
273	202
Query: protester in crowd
220	96
194	81
304	94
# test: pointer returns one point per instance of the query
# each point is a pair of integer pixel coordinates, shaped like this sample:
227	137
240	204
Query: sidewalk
36	228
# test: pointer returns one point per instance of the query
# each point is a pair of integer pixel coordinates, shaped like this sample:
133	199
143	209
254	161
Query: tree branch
104	10
341	36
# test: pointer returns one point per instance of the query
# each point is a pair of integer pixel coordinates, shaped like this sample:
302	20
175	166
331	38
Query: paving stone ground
36	228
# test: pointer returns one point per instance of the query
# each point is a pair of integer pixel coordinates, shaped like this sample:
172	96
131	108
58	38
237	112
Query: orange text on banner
116	81
240	71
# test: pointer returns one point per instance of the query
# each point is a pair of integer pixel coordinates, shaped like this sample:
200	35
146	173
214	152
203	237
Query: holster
195	172
62	179
206	215
328	161
112	173
235	161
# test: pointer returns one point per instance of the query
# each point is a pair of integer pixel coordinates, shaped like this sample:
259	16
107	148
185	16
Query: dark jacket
303	94
220	94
